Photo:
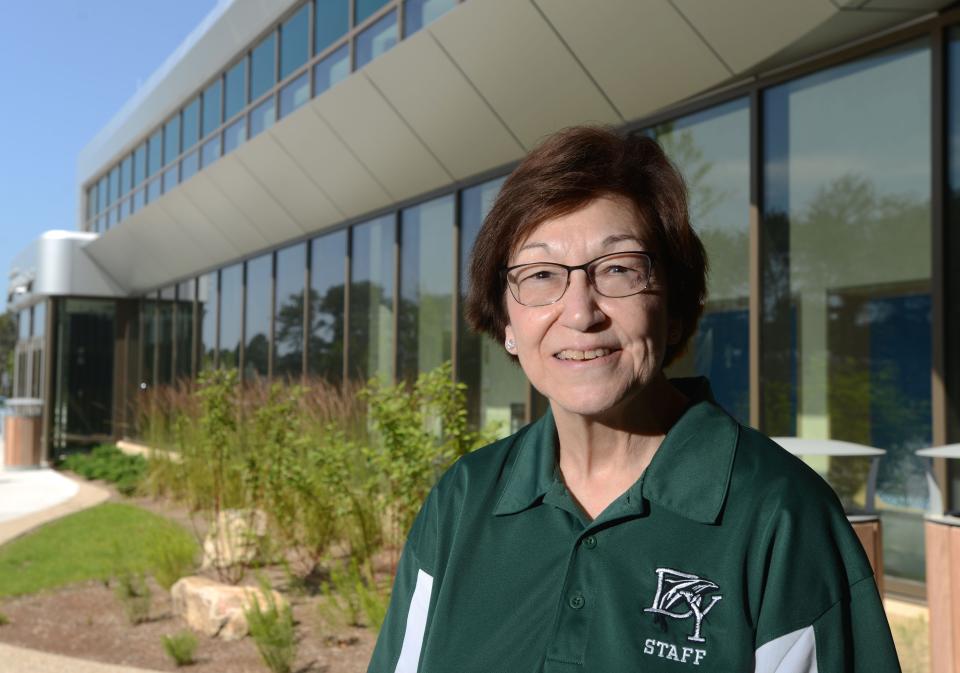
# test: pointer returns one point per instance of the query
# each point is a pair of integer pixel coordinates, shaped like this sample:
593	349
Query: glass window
263	116
288	320
712	150
101	224
207	315
212	108
165	336
847	274
171	140
231	315
426	287
371	300
153	190
125	209
496	386
83	388
327	275
210	151
331	70
91	201
376	39
139	199
155	153
114	184
126	172
952	270
235	89
191	124
257	317
295	94
364	9
234	135
263	67
111	218
139	164
294	38
148	349
331	22
23	325
419	13
183	330
189	166
103	189
39	319
170	178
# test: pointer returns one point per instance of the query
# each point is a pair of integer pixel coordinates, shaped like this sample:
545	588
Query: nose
580	308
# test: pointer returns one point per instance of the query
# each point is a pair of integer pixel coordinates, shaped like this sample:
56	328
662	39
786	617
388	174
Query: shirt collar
689	474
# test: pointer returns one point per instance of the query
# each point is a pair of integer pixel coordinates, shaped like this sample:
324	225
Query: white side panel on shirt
794	652
416	625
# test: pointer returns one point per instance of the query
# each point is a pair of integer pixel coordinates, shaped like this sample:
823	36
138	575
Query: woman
636	526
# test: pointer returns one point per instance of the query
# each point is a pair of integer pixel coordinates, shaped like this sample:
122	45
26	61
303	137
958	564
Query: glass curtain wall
846	305
257	316
952	271
425	326
326	311
183	321
148	349
207	316
712	150
496	386
165	305
371	300
288	317
231	315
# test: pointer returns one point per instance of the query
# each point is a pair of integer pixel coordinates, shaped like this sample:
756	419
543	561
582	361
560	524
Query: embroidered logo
681	595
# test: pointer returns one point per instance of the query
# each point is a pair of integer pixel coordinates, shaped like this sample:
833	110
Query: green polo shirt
728	554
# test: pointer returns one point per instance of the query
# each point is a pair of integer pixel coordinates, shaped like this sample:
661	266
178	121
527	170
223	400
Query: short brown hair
566	172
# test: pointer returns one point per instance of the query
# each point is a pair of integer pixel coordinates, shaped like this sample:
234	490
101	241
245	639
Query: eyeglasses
619	274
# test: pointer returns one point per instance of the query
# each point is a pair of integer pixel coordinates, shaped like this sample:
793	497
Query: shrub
352	593
272	631
4	620
180	647
135	595
171	556
109	463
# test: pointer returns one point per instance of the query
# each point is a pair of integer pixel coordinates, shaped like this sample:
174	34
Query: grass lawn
94	544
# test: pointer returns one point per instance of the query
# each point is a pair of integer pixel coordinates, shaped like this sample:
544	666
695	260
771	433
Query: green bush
272	631
170	557
180	647
135	595
352	596
4	620
109	463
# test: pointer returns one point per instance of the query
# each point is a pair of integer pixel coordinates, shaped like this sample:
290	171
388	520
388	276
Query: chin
590	404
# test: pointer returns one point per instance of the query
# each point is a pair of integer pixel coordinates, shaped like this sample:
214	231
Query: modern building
296	190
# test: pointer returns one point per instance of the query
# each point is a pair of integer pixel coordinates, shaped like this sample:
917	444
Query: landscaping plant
171	556
272	630
135	595
180	647
109	463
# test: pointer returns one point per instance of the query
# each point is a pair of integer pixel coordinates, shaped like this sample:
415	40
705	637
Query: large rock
235	538
215	609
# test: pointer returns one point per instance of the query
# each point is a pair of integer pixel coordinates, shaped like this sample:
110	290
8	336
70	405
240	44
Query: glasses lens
537	284
621	275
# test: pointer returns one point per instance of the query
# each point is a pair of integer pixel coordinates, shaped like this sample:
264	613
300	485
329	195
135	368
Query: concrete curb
86	496
21	660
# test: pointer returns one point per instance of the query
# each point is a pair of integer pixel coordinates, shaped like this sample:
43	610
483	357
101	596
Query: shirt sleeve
405	629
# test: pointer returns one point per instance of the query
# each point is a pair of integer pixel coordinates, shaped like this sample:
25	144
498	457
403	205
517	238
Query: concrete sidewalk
21	660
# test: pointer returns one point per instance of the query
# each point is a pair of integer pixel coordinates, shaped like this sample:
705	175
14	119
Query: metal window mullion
401	6
347	274
755	302
351	33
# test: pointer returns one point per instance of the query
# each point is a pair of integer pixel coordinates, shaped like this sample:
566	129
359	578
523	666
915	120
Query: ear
509	336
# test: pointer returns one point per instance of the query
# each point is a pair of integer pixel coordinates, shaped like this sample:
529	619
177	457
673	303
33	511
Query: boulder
217	610
235	538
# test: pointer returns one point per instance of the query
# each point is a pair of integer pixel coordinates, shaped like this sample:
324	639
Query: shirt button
577	601
589	542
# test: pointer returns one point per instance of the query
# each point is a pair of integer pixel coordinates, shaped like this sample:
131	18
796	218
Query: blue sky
66	67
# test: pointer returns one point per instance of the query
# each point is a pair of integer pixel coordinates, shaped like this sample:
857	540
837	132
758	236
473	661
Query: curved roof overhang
472	92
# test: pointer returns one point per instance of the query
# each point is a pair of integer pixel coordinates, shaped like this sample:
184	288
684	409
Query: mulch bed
88	621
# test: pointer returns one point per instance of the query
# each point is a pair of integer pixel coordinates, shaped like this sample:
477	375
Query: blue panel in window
331	70
153	190
102	192
234	135
191	124
294	39
210	151
139	199
419	13
331	22
126	172
262	116
114	184
376	39
154	153
212	107
235	89
295	94
139	164
189	166
170	178
364	9
263	67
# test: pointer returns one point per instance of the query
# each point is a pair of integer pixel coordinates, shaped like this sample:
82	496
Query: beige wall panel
380	139
160	240
323	156
745	32
118	253
641	52
205	192
521	68
290	186
435	98
209	240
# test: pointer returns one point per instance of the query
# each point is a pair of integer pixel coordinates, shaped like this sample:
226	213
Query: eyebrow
613	239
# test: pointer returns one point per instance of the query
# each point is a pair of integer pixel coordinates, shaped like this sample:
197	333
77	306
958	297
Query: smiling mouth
583	355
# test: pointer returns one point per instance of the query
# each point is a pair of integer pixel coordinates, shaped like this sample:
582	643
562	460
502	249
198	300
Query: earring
510	344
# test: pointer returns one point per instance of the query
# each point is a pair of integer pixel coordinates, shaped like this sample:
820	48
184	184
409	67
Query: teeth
582	355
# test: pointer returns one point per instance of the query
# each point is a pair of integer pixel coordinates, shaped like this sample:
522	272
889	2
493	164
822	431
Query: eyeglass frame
591	279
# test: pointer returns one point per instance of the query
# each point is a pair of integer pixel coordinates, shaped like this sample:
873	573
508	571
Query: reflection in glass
846	305
712	151
139	199
327	276
148	345
191	124
171	139
426	304
126	172
165	335
153	190
183	321
257	316
294	34
371	300
231	315
262	68
331	70
212	107
140	164
376	39
364	9
262	116
235	90
102	189
189	166
210	151
154	154
331	22
207	315
419	13
288	321
39	319
170	178
295	94
114	185
952	271
496	386
234	135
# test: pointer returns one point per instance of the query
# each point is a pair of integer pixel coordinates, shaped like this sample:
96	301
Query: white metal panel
745	32
310	142
219	204
380	139
642	53
208	239
520	66
446	112
160	239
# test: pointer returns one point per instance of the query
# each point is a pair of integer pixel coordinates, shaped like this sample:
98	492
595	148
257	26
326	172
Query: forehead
605	224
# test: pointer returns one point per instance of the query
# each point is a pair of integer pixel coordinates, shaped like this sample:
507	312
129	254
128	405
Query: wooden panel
871	537
22	441
943	595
